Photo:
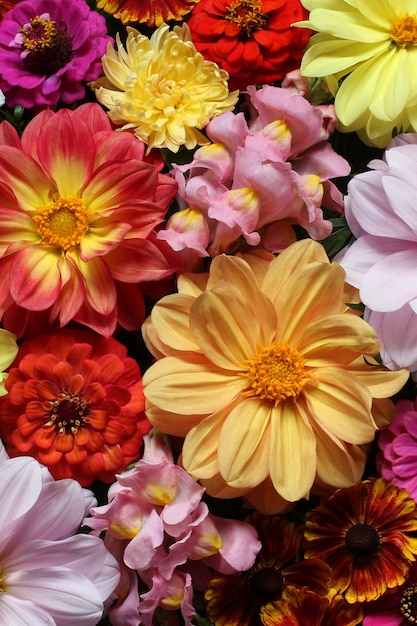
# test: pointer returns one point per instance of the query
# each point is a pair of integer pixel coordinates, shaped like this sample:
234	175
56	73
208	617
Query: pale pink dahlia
78	208
48	50
49	575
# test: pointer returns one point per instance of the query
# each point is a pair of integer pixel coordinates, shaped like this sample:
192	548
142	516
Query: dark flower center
408	604
45	47
266	584
362	540
67	412
247	15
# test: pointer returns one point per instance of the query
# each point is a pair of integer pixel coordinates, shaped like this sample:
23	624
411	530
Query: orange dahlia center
408	604
247	15
276	373
45	47
67	412
404	30
62	223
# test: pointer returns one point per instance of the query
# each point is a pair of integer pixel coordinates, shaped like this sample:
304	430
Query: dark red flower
151	12
252	39
75	403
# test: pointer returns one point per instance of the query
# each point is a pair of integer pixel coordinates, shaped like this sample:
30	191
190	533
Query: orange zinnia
264	373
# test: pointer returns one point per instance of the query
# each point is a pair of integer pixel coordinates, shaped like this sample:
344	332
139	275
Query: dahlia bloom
257	179
367	534
150	12
271	401
397	460
48	50
50	575
253	40
242	599
373	48
158	527
382	262
76	404
8	351
77	217
162	88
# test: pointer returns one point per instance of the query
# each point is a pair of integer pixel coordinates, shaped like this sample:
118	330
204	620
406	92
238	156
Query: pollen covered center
404	30
408	604
276	372
67	412
62	223
45	45
247	15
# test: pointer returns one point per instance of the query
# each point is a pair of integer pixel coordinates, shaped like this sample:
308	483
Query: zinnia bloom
49	575
253	40
76	404
367	534
162	88
8	351
240	599
274	398
397	460
151	12
77	217
306	608
373	48
48	49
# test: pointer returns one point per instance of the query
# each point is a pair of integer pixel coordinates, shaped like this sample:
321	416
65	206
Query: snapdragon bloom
257	179
75	403
48	50
49	575
77	215
158	526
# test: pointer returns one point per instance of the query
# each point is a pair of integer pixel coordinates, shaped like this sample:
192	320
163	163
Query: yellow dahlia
162	88
372	46
267	375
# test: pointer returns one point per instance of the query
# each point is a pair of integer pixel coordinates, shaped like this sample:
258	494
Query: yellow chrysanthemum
162	88
267	375
374	45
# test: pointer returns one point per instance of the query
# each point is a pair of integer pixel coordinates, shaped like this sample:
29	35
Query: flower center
62	223
362	540
67	412
247	15
408	604
404	30
167	94
45	47
276	373
266	584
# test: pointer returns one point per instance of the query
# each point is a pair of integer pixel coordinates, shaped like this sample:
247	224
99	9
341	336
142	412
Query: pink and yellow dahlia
268	376
78	206
75	402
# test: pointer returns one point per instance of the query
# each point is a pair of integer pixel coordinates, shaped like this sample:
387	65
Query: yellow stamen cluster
39	35
67	412
276	373
62	223
247	15
404	30
408	604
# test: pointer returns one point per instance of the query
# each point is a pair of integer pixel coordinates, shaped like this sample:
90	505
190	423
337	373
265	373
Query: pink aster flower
158	527
48	50
257	179
49	575
77	222
397	460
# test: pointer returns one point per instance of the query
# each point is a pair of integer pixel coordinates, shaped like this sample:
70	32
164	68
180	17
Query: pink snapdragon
158	526
50	575
259	178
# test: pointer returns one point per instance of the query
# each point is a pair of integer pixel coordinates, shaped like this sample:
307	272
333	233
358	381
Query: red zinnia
75	403
252	39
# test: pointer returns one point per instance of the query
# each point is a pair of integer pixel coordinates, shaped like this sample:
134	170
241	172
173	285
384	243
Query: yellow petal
170	318
338	464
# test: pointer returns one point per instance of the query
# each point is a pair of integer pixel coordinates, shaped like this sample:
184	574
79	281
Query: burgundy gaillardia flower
76	404
48	50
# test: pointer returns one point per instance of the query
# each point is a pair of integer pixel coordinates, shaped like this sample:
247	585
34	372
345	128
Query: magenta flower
397	460
48	50
158	527
257	180
49	575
